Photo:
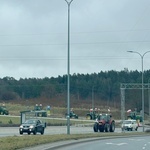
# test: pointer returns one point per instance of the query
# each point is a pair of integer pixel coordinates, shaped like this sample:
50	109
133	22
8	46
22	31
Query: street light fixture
68	70
142	56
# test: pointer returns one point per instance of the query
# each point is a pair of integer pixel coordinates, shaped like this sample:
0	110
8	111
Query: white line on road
118	144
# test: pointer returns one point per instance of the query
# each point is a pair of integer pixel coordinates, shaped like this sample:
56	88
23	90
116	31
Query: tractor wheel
88	117
95	127
101	129
112	127
107	128
76	117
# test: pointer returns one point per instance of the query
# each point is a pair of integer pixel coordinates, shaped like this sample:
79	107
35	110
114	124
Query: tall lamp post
68	70
93	97
149	94
142	56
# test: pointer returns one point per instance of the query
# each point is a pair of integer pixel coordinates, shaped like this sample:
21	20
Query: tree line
104	86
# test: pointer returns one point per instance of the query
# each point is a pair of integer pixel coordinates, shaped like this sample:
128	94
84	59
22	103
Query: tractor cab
104	117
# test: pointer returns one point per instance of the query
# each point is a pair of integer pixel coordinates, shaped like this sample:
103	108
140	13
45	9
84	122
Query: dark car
32	126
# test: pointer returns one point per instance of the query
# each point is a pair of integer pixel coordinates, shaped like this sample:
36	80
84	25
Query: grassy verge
9	120
18	142
15	121
14	109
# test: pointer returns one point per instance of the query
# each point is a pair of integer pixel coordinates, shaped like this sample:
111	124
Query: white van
129	125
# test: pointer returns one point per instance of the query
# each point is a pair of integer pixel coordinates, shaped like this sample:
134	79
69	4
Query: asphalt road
50	130
130	143
109	144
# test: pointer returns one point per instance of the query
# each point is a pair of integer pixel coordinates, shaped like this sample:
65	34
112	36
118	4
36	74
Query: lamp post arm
136	53
68	2
145	53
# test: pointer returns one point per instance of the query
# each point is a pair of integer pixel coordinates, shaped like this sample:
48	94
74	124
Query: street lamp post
149	95
68	70
142	56
93	97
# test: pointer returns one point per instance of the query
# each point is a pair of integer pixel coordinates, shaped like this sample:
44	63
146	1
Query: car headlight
31	126
21	126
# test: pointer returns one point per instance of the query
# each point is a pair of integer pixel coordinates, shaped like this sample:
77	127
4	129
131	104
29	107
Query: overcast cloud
33	36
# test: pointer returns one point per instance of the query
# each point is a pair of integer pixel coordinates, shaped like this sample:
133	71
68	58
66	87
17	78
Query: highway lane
130	143
51	130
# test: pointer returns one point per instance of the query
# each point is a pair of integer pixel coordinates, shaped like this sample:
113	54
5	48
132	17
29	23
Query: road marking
121	144
117	144
136	139
144	147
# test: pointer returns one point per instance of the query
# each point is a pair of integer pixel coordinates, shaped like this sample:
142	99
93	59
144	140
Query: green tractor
72	115
92	115
135	116
39	111
3	110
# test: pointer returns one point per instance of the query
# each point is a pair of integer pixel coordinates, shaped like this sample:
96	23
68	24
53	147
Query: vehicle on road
129	125
32	126
104	122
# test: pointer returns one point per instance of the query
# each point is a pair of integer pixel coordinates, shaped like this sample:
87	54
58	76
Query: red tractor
103	123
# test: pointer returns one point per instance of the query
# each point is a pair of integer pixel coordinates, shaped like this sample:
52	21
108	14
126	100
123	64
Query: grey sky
33	36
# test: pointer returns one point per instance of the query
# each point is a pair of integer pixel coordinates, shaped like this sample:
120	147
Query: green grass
9	120
15	121
14	109
59	122
18	142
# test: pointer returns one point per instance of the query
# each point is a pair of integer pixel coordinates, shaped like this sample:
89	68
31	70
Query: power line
64	58
89	43
83	32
